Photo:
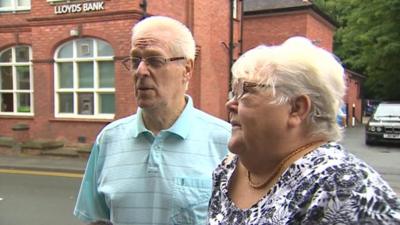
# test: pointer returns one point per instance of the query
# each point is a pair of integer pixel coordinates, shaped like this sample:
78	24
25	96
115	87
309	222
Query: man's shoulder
122	122
210	120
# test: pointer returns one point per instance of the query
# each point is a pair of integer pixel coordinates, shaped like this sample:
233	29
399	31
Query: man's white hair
181	42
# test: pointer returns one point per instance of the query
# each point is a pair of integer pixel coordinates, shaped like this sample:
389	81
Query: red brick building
60	61
274	21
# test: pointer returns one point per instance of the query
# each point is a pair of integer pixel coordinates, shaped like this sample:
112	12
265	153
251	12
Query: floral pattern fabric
327	186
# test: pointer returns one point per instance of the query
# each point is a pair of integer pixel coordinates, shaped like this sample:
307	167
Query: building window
15	5
84	79
16	92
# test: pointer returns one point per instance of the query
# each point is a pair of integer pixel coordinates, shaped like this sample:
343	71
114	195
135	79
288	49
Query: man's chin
145	102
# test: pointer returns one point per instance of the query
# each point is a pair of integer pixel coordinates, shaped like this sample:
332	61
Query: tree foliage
368	41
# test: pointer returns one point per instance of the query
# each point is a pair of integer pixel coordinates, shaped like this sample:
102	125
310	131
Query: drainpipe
241	26
143	6
231	45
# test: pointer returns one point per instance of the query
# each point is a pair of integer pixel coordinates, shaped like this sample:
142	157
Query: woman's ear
300	108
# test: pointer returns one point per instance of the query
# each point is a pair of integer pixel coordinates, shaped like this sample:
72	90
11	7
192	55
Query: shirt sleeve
91	204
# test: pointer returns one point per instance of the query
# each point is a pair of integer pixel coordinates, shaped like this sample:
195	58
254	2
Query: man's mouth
143	88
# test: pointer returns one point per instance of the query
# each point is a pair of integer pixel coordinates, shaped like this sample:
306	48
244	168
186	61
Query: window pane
104	49
85	106
107	103
66	78
85	47
85	74
6	101
6	55
6	82
66	51
24	2
5	3
23	78
24	102
22	54
66	103
106	74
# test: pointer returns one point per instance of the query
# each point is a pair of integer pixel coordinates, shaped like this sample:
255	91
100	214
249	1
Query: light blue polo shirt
135	177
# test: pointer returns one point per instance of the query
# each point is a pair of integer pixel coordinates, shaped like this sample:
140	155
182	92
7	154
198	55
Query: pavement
43	163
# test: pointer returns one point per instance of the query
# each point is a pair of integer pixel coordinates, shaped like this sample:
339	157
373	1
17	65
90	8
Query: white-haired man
155	167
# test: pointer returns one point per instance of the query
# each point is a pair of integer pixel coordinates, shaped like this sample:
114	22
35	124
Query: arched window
84	79
16	82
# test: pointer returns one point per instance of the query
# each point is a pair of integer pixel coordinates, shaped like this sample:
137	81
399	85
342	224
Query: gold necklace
301	151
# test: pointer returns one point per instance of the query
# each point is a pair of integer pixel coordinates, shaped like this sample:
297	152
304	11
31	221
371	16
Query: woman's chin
235	145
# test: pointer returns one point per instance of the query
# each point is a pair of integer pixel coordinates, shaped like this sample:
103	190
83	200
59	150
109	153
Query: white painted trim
14	90
96	90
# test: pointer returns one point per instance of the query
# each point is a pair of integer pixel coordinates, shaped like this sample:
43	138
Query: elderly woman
287	167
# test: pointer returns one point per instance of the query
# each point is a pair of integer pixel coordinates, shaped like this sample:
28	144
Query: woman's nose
231	105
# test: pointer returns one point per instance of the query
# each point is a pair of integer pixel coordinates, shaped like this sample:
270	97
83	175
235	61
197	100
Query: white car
384	124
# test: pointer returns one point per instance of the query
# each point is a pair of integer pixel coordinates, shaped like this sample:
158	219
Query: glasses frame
132	67
242	87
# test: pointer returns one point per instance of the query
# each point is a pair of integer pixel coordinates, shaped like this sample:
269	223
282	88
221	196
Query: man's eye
155	62
136	61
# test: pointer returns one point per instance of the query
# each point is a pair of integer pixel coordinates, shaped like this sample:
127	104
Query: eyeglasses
154	62
242	87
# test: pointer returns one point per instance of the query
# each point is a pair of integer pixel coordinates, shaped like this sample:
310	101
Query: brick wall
275	28
45	32
353	98
272	29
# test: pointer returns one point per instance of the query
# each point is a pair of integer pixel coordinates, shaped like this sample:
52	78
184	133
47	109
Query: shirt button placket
154	160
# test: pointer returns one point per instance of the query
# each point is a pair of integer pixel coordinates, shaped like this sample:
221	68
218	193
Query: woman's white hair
181	43
297	67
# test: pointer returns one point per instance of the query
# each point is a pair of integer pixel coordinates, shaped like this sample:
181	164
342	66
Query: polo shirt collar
181	127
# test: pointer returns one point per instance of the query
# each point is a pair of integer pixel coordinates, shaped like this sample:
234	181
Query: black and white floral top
327	186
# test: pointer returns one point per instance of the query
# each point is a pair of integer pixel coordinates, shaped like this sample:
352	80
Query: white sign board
79	7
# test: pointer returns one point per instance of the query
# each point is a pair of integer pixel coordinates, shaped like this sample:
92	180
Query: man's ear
189	66
301	107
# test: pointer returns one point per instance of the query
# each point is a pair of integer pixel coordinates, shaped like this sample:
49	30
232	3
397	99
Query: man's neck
162	118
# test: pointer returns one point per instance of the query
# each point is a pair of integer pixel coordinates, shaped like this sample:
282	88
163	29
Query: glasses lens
135	61
127	63
240	91
236	90
155	62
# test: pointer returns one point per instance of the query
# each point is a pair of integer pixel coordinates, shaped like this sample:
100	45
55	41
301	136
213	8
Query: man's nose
142	68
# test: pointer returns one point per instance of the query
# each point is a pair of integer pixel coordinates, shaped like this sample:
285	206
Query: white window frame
14	7
96	90
14	90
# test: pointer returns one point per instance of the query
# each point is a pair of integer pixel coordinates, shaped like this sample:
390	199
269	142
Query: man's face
157	87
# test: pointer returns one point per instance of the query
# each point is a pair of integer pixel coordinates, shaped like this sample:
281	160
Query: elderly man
155	167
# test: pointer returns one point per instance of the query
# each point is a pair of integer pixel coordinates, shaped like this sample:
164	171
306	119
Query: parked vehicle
370	106
384	124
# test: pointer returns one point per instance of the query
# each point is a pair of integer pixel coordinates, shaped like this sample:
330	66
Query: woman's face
256	121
